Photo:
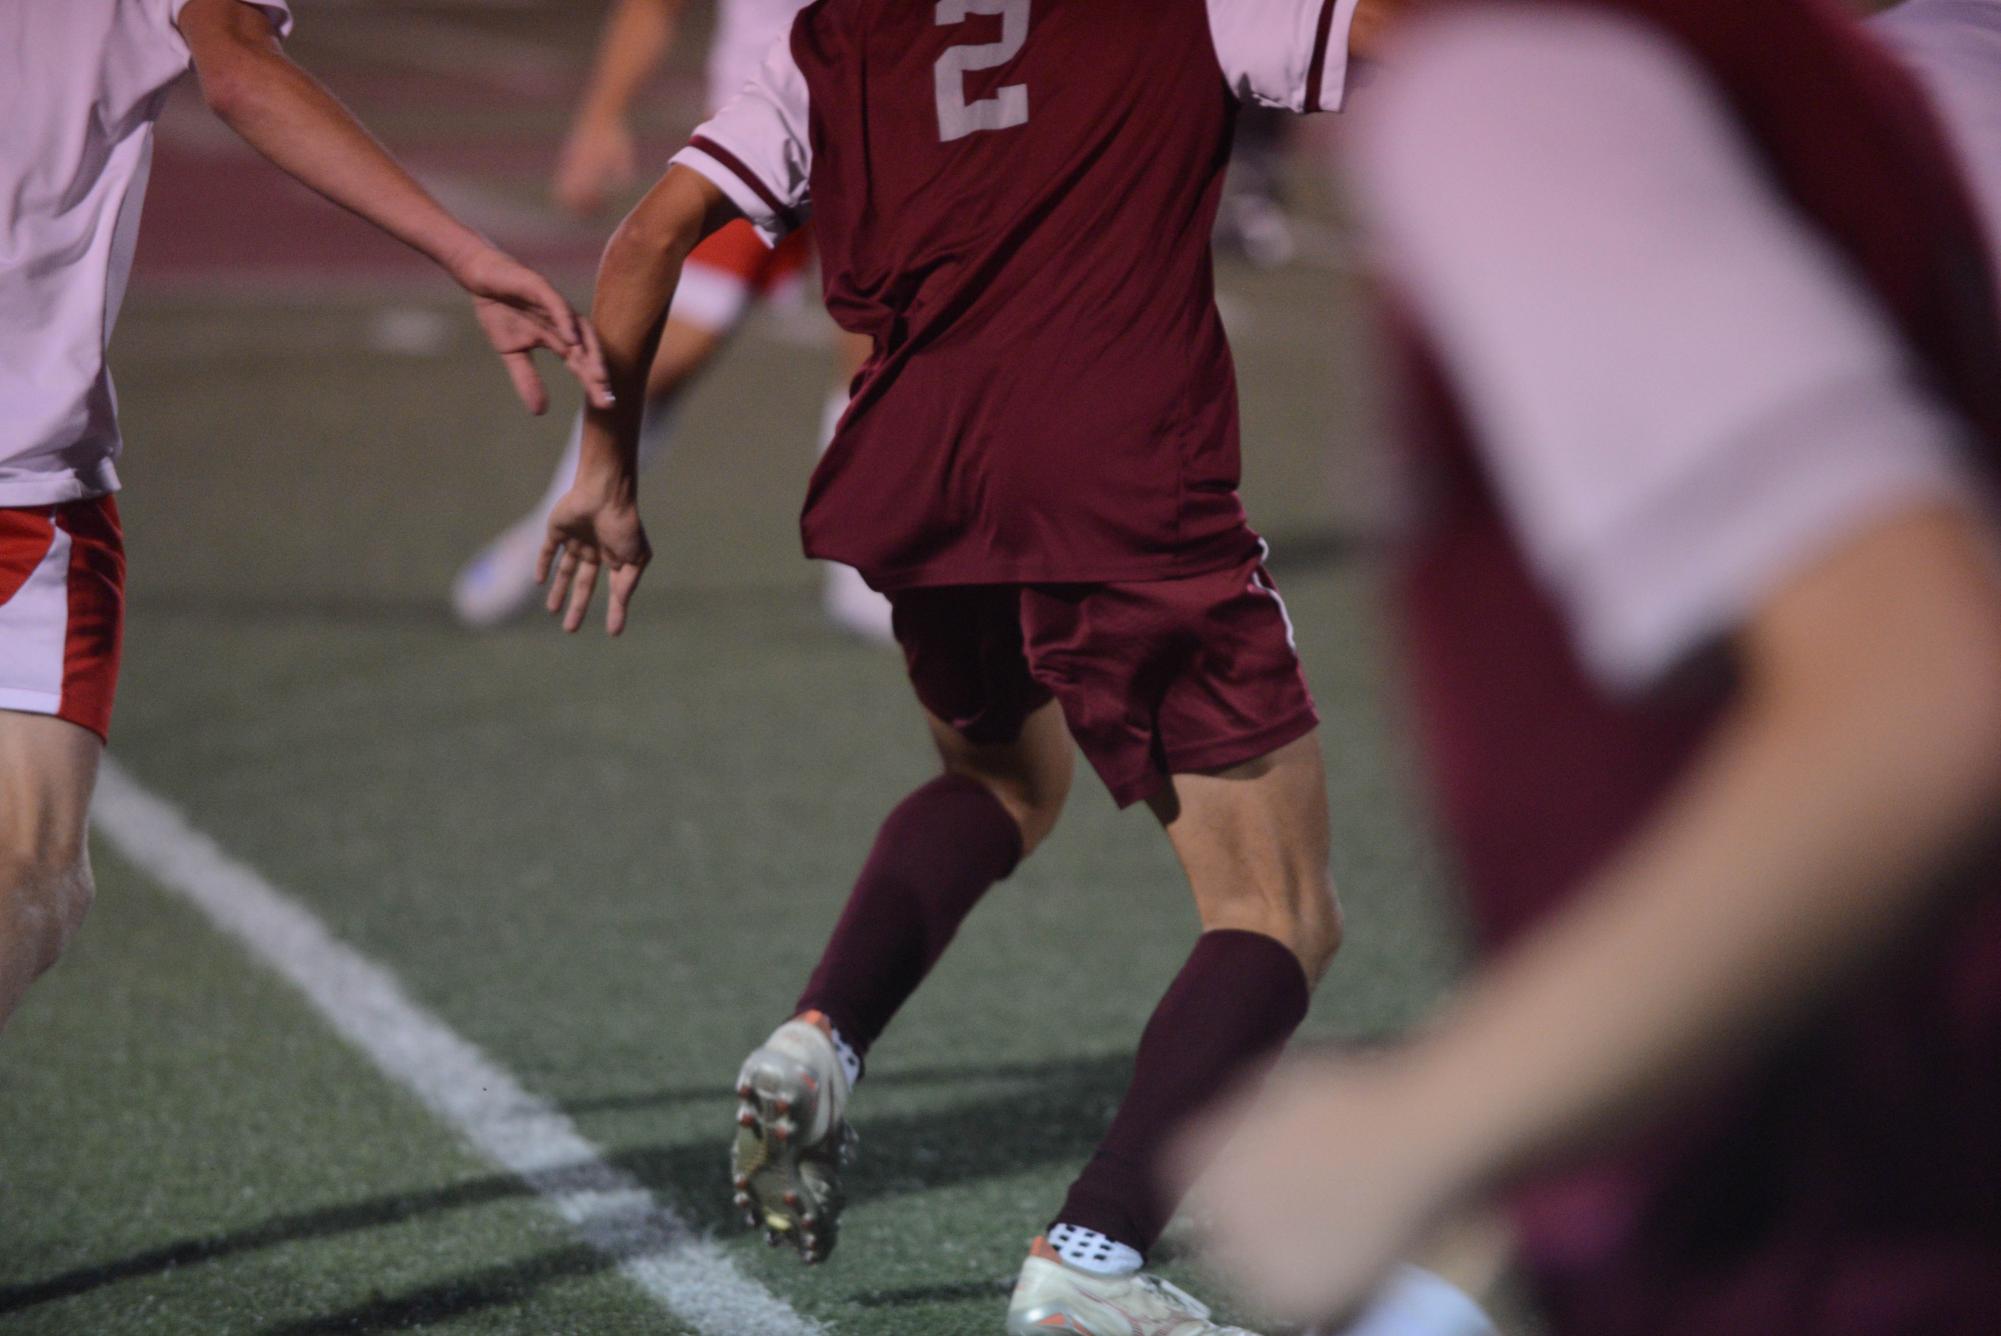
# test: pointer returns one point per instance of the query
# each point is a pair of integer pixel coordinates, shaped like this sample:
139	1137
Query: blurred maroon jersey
1013	199
1846	1184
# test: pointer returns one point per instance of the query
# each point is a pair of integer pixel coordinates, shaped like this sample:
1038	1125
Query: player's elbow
1894	643
1967	679
647	243
230	84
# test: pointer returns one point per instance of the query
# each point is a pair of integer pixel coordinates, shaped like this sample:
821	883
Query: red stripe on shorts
94	638
25	536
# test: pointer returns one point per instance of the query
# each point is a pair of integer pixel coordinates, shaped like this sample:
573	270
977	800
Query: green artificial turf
610	865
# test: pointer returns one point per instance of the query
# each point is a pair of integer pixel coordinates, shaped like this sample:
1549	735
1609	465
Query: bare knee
1029	777
47	896
1316	925
1034	801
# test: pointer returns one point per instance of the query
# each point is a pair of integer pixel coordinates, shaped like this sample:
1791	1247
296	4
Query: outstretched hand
520	311
599	159
593	530
1317	1185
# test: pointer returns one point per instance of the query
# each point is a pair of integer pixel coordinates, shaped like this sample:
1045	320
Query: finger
550	547
624	580
580	595
528	386
559	588
554	309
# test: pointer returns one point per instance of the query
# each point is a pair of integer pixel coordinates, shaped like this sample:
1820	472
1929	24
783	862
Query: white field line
521	1132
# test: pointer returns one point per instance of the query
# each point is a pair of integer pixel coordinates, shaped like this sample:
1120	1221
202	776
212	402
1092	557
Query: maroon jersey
1013	200
1846	1183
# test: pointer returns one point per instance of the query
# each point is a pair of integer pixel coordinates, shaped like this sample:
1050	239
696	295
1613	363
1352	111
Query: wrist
461	254
600	117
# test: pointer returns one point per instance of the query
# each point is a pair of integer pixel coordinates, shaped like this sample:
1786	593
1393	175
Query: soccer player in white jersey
724	277
81	83
1706	626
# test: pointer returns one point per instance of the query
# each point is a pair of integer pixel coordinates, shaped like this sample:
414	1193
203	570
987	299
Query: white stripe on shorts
34	627
709	298
1261	584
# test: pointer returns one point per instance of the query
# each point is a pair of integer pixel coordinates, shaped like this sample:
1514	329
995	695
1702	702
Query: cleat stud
742	1201
782	1105
746	1118
744	1090
781	1131
741	1182
792	1199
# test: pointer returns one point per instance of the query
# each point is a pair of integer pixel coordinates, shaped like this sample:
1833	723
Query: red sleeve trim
736	167
1317	71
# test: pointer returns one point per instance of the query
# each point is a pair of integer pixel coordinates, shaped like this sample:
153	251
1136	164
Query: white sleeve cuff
1655	587
751	197
1330	92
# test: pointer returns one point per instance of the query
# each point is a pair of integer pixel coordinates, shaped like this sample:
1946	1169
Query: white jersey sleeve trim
756	149
1680	390
1291	54
280	12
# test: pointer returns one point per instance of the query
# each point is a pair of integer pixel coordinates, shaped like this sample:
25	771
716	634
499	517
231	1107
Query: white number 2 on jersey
1008	107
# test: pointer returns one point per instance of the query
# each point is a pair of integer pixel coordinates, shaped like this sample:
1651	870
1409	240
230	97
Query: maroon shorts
1155	678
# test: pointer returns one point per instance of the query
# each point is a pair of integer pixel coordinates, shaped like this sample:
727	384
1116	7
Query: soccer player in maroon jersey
1014	200
1705	627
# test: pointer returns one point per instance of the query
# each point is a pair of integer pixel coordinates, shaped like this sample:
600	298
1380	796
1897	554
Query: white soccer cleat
498	584
854	607
793	1139
1052	1297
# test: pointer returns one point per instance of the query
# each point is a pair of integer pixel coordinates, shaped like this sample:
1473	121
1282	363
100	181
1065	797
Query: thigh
48	769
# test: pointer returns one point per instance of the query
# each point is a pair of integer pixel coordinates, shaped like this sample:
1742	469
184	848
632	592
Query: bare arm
286	115
597	524
1864	751
598	155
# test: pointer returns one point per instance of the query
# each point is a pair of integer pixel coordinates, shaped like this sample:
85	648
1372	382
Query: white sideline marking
521	1132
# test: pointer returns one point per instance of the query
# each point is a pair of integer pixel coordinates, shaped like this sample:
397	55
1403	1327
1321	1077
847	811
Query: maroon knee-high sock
1229	1011
935	856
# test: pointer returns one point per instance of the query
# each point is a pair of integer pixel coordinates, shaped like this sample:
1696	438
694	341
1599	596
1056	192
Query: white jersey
81	83
1683	394
745	33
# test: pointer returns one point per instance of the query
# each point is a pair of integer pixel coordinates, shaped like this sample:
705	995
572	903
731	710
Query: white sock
851	1061
1088	1250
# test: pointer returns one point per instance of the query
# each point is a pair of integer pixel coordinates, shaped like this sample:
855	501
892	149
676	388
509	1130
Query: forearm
286	115
635	290
636	39
1809	836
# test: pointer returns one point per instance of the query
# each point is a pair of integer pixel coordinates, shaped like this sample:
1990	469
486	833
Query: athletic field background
604	867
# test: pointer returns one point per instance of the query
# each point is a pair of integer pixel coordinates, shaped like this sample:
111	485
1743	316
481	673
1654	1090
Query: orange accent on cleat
1057	1322
818	1019
1040	1248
